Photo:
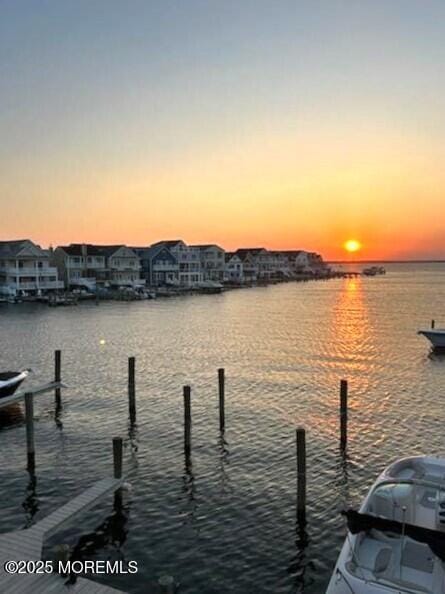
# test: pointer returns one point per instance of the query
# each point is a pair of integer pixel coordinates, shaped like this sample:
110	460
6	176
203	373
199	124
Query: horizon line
429	261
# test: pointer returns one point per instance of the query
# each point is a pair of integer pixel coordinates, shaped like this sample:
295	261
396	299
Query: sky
283	124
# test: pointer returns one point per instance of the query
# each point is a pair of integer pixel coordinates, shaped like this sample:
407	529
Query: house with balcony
94	266
233	271
159	266
25	269
255	264
123	267
82	266
212	258
279	265
189	261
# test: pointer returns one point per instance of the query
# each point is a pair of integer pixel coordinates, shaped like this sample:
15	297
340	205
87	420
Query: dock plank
27	544
81	503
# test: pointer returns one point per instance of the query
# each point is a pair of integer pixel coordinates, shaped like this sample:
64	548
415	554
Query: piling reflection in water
31	501
110	534
11	416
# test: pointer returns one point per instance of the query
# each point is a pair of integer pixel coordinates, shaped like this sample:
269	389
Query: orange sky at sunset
288	125
311	189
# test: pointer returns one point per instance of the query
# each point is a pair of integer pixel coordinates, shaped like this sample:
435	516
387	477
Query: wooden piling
58	376
221	388
187	421
132	389
29	411
433	324
166	584
301	472
117	457
343	413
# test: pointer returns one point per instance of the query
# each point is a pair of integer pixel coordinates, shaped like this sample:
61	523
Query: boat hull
436	337
10	381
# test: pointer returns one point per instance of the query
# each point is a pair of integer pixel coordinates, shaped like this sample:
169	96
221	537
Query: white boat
436	337
396	542
11	380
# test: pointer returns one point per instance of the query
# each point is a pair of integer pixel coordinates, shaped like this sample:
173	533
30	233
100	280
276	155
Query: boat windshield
400	537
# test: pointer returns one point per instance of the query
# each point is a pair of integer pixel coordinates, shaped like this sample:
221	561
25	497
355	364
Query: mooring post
343	413
58	376
301	472
187	422
29	411
221	386
132	389
166	584
117	457
433	323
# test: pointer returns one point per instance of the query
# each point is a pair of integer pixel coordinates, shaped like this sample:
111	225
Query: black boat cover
7	375
358	522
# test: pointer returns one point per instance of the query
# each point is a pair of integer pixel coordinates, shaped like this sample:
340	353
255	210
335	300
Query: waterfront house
279	266
233	272
159	266
250	266
25	269
301	261
123	268
212	258
189	262
81	266
90	266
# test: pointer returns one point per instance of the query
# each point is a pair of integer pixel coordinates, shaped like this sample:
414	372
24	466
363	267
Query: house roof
206	246
152	251
291	252
77	249
14	247
244	252
168	243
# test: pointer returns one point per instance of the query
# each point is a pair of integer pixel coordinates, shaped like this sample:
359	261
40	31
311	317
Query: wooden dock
27	544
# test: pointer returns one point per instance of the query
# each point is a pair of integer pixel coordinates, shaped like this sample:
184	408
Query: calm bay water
227	523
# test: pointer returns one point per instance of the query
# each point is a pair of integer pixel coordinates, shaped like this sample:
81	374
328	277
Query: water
227	522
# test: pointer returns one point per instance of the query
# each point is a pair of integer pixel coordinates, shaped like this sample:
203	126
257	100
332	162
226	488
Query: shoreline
69	298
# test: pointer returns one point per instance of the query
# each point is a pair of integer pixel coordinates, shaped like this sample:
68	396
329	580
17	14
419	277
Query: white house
302	261
279	266
25	269
189	261
212	262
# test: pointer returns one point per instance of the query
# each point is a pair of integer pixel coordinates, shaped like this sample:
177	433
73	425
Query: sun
352	246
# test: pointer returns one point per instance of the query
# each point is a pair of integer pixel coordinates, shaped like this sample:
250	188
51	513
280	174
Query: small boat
209	287
374	271
62	300
11	380
436	337
396	542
